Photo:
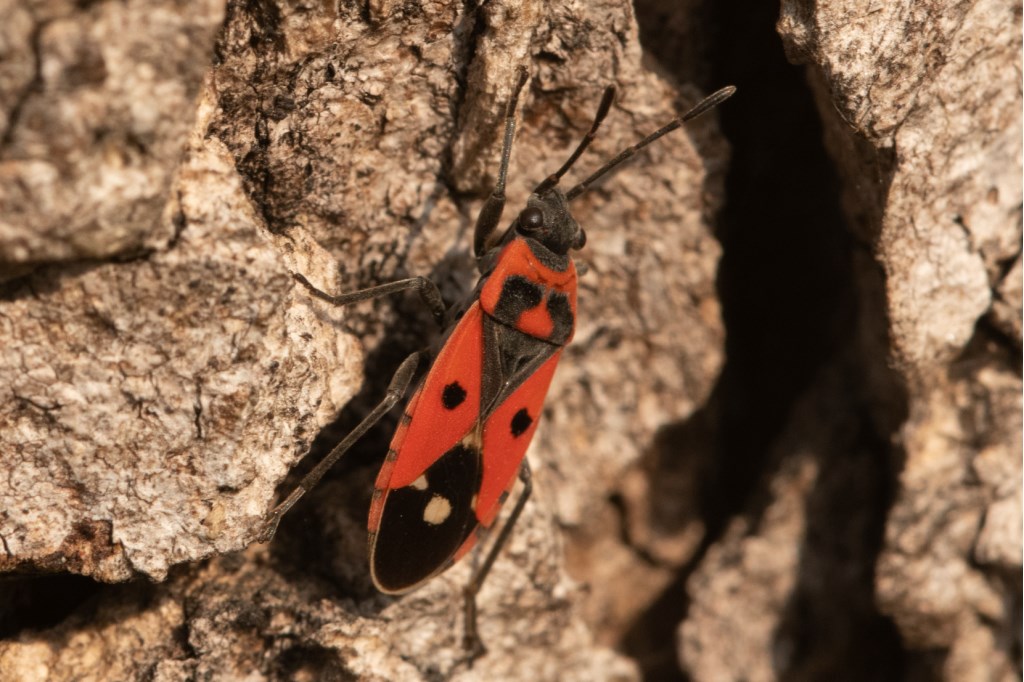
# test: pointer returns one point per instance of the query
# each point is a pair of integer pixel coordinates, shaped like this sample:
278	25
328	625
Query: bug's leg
490	214
423	286
472	642
396	390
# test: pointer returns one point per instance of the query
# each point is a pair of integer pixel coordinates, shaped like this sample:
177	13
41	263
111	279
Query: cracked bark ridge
156	402
340	126
238	617
95	99
930	89
786	591
922	108
380	174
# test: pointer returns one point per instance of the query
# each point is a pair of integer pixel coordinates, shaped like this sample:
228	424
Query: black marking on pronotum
453	396
561	317
427	522
520	422
518	294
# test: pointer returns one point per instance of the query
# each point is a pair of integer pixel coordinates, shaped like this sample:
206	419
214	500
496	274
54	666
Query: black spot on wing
518	294
561	317
520	422
407	548
453	395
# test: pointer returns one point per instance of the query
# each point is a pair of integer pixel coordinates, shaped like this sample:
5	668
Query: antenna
704	105
602	111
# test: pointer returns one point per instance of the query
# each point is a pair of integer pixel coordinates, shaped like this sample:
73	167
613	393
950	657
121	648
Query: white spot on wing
474	440
420	483
437	510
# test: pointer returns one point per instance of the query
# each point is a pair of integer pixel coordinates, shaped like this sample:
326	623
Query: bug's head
546	219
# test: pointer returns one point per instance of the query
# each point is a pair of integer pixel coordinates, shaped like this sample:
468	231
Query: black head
547	220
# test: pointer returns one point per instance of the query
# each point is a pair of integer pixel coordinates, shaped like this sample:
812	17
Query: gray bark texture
785	442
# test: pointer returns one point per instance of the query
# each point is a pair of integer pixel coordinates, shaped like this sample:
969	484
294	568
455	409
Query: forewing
422	509
445	407
507	434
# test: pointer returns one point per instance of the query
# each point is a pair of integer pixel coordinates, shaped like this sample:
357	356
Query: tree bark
799	460
166	376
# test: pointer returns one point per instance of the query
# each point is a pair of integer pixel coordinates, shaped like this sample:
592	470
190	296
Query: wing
507	434
422	508
457	450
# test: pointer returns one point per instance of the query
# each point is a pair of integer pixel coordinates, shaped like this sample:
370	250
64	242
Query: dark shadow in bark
40	602
790	302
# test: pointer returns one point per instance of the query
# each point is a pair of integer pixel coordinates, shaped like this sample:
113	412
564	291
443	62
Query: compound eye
531	219
581	240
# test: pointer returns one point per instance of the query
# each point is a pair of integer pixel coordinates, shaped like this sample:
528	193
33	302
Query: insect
460	443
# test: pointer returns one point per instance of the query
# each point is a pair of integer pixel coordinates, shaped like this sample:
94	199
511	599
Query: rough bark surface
934	101
788	449
921	107
161	384
96	99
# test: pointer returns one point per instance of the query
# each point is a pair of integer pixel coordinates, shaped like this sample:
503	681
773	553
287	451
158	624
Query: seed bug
460	443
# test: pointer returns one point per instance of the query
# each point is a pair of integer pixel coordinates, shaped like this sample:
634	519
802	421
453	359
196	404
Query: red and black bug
461	441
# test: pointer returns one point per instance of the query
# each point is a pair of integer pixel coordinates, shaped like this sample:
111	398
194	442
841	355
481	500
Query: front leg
490	214
423	286
396	391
